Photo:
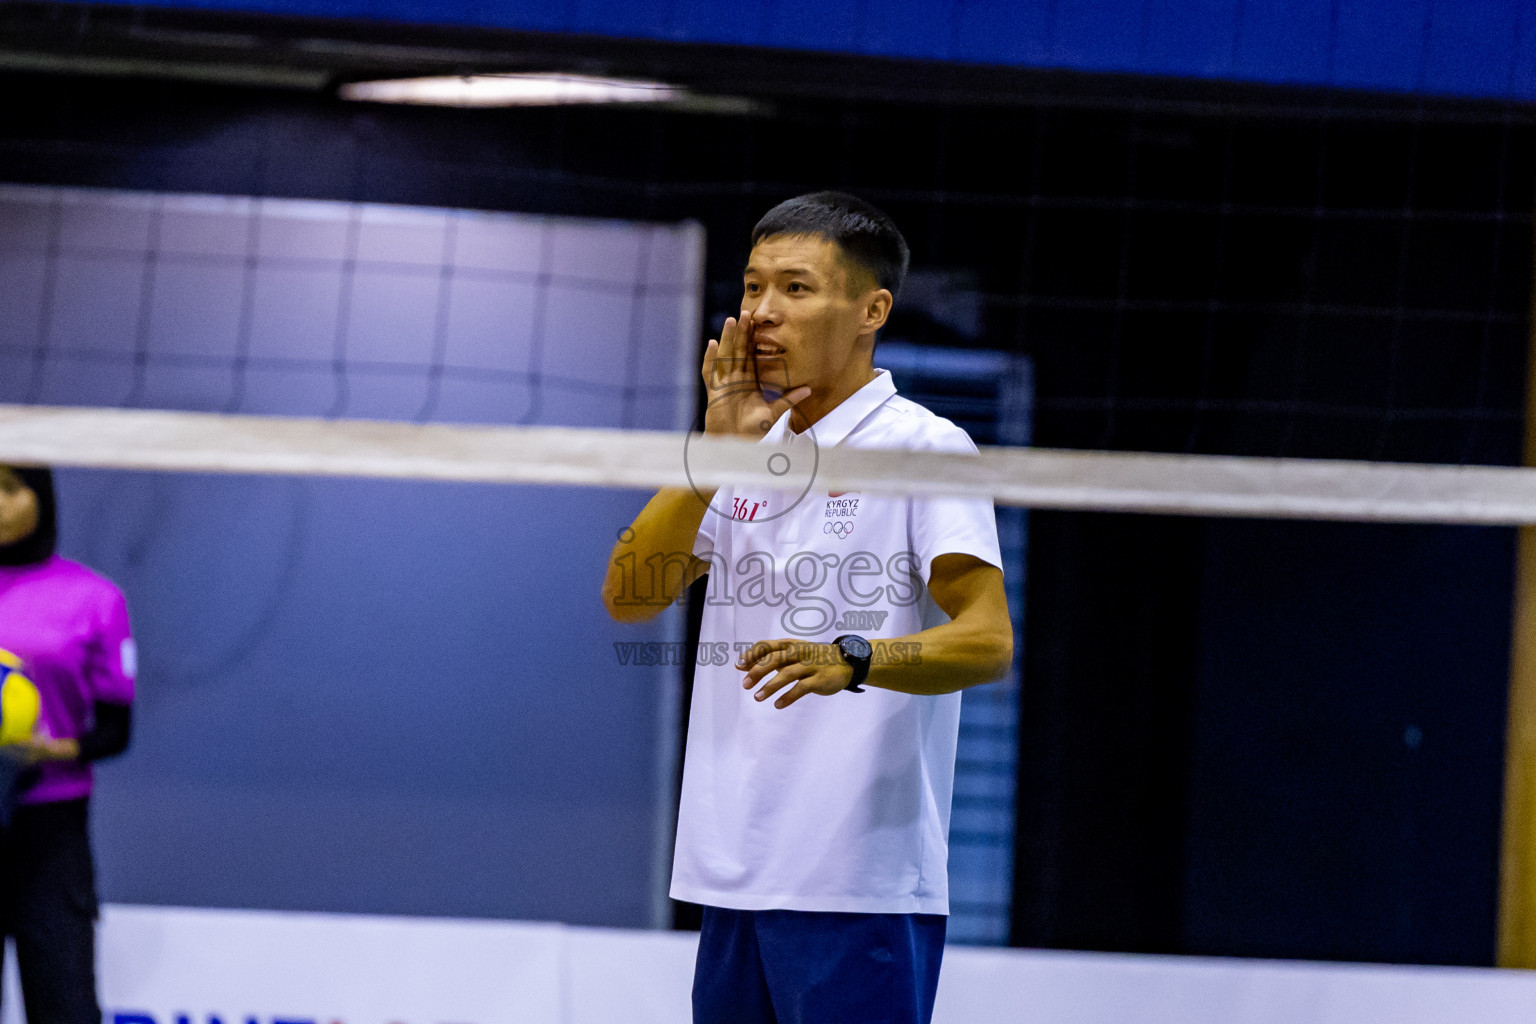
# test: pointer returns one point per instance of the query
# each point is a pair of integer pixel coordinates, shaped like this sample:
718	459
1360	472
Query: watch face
856	647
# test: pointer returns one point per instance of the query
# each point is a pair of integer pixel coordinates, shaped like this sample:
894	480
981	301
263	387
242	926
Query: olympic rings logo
838	527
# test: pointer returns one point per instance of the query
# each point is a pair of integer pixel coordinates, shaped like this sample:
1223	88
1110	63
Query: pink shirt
70	628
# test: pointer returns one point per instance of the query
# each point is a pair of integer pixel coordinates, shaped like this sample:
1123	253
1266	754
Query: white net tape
1036	478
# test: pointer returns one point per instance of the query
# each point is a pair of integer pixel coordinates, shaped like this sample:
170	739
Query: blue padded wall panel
1440	47
701	21
644	18
1472	46
1190	37
900	28
1288	42
531	15
1523	75
815	25
1097	36
1380	45
1004	32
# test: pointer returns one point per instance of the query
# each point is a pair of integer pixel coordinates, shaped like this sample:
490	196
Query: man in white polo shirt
821	750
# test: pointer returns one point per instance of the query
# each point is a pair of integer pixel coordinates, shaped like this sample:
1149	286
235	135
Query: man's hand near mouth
743	400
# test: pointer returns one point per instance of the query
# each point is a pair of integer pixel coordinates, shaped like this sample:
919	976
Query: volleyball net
596	457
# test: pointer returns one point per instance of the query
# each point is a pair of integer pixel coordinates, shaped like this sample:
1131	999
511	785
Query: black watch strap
856	652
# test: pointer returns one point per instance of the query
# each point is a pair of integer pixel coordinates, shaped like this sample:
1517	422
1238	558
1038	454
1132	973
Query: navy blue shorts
795	967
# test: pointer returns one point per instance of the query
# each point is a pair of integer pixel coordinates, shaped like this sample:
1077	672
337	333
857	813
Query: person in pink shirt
69	628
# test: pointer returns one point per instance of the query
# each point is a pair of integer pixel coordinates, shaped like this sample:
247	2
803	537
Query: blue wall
1474	48
374	697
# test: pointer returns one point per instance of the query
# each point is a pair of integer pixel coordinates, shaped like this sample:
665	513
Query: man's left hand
803	667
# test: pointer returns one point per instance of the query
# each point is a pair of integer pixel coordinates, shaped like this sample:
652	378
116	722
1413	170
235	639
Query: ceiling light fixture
511	90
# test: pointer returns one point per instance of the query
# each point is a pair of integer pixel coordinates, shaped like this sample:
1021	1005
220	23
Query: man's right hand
737	405
669	523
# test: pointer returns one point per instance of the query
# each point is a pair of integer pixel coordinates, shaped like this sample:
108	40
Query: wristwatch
856	651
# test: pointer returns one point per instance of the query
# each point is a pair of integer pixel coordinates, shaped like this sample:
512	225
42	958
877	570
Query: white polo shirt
835	803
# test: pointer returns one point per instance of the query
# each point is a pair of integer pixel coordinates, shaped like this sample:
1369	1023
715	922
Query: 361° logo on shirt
746	510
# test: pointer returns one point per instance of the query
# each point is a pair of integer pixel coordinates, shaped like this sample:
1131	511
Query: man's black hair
866	235
38	545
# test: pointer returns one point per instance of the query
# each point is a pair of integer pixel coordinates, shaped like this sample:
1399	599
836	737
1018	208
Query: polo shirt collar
839	423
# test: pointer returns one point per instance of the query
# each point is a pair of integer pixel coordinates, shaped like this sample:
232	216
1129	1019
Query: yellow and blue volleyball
19	703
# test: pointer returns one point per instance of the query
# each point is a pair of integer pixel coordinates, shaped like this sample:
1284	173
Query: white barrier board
1099	988
180	966
159	965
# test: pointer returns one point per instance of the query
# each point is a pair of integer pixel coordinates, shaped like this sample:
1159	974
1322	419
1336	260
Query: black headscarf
41	542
